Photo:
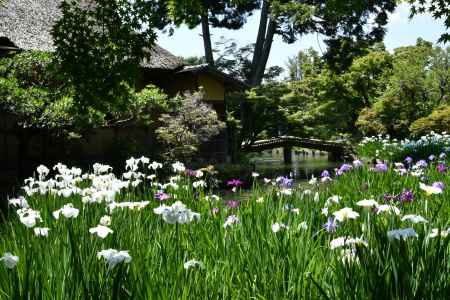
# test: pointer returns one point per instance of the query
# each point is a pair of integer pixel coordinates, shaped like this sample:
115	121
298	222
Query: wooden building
27	24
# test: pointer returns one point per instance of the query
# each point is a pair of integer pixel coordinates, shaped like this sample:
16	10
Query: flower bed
363	231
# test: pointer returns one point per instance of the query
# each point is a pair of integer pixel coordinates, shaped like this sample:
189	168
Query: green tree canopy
99	46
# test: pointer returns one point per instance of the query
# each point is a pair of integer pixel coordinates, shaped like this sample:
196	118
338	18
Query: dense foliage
32	87
367	232
419	83
402	93
99	48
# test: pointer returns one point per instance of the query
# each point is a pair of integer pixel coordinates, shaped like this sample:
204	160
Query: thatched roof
160	58
28	24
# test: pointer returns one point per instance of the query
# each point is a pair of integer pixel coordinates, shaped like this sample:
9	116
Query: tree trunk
207	39
259	45
261	66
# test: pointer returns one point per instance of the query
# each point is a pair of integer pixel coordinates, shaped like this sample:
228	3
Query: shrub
187	126
438	120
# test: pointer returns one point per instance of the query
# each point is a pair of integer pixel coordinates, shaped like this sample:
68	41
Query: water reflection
304	163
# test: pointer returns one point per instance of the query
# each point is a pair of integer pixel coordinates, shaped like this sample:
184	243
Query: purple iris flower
344	168
161	196
408	160
214	211
357	163
286	182
441	168
422	163
381	167
234	182
439	185
232	203
431	157
325	173
331	225
406	196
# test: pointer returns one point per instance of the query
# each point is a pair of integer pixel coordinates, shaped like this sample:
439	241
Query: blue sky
400	32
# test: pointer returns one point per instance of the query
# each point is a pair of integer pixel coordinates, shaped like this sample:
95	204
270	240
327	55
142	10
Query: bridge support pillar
287	155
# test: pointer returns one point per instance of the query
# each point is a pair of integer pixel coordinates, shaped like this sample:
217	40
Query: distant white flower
42	171
414	219
136	182
401	233
303	226
260	200
66	192
199	184
325	179
212	198
435	232
127	175
295	211
144	160
267	180
105	220
347	241
324	211
10	261
388	208
29	217
231	220
287	192
19	202
151	177
313	180
278	226
131	164
307	192
101	169
130	205
345	213
114	257
101	231
367	203
99	196
41	231
155	165
417	173
430	190
199	174
255	175
193	263
67	211
333	199
178	167
177	213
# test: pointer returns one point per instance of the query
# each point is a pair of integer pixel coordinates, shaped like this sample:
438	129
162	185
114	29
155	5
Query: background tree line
402	93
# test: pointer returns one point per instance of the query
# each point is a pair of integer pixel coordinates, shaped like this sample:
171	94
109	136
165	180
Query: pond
270	163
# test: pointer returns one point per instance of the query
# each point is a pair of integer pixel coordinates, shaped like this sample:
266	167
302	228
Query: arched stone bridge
338	150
